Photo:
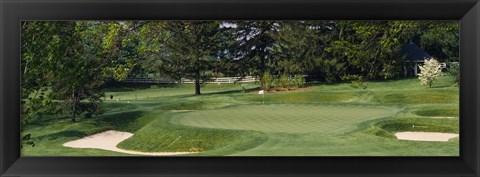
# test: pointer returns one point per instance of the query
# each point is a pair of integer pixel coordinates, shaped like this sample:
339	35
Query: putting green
284	118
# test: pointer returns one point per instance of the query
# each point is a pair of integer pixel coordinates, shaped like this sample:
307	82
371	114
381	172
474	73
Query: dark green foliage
454	72
26	140
79	56
254	46
440	39
182	49
69	61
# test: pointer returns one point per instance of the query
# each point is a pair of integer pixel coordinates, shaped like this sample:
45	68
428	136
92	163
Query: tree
38	57
40	51
370	48
69	62
294	46
429	72
254	45
78	77
440	39
182	49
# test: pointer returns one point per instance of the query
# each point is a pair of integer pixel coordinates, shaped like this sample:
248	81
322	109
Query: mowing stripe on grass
284	118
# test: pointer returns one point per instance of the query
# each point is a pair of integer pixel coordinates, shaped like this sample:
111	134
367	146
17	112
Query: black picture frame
13	11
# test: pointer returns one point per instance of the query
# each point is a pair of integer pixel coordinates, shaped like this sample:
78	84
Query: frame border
12	12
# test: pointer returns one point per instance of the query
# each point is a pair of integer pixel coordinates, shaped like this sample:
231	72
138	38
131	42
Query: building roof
414	53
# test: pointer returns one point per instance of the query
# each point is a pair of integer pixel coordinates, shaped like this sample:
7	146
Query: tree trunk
197	87
74	111
74	107
263	65
197	81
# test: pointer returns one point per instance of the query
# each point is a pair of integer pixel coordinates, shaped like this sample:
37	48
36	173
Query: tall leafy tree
68	62
371	48
182	49
440	39
40	50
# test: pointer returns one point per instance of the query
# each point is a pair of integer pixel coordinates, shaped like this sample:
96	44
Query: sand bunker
425	136
442	117
108	140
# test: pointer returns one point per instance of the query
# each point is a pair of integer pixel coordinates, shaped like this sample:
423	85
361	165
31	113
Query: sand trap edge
108	140
425	136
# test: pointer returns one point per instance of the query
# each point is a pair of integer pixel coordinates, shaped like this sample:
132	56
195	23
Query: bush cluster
283	81
454	72
356	80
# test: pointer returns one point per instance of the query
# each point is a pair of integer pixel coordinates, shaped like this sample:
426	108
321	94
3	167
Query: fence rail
218	80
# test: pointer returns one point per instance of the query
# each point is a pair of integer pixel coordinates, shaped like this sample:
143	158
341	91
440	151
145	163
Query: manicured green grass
163	137
327	120
284	118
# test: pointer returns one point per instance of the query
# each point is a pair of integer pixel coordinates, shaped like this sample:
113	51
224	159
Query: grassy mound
49	135
420	97
420	125
453	112
159	136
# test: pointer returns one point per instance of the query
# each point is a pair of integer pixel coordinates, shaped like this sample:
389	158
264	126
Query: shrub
298	81
357	81
284	81
266	81
454	72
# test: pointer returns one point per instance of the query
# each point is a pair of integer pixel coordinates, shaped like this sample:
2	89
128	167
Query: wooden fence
218	80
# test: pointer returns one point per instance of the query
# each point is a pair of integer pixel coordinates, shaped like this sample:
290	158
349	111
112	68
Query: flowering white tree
429	72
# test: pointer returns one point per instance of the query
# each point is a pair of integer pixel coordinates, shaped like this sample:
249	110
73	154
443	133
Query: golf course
240	88
325	120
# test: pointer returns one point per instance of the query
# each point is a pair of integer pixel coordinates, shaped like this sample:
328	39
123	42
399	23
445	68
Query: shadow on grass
127	87
62	134
122	121
138	86
440	86
231	91
126	121
218	93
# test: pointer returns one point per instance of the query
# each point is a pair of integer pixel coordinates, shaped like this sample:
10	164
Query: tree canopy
65	64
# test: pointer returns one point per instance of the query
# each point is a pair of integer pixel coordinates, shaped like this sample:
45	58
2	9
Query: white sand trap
442	117
425	136
108	140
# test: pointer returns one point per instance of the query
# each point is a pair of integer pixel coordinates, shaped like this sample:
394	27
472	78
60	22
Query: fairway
327	120
284	118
